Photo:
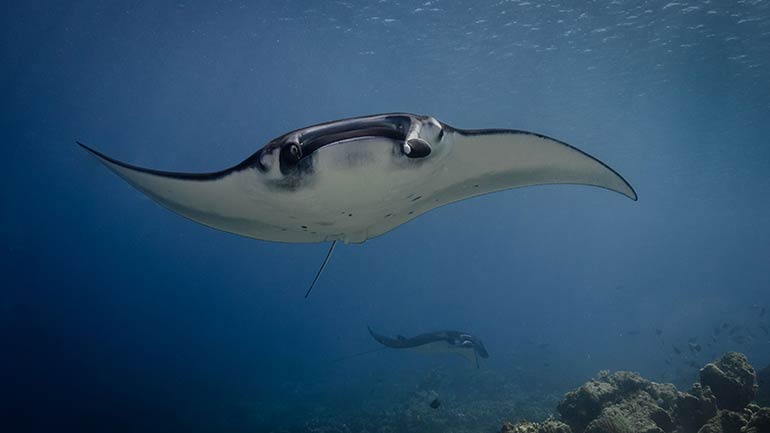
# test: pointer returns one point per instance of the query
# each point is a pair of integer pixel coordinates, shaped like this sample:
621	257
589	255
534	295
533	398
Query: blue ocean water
118	315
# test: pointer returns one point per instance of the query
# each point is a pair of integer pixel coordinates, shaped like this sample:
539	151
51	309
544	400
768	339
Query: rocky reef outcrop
724	422
759	421
763	391
624	402
621	401
695	408
732	380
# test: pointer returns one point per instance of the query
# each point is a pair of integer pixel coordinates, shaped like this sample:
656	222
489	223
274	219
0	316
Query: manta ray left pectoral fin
321	269
207	198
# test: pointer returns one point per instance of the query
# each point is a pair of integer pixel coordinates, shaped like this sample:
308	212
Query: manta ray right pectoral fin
491	160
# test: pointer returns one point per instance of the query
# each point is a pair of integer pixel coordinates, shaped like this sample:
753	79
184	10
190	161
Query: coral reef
625	402
619	402
519	427
548	426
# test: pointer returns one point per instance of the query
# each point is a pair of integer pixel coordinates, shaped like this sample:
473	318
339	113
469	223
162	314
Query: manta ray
457	342
354	179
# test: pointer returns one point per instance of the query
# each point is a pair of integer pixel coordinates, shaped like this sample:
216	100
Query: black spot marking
411	212
388	215
350	214
304	227
476	185
417	198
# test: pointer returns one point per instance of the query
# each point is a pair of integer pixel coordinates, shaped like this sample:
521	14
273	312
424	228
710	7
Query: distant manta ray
461	343
358	178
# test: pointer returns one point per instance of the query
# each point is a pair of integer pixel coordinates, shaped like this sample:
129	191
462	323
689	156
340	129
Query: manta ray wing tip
631	193
80	143
91	150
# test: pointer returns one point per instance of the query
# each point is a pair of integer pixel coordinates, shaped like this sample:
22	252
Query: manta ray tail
321	269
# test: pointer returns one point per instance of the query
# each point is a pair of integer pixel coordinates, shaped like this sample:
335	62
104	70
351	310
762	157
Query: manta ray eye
291	154
295	151
416	148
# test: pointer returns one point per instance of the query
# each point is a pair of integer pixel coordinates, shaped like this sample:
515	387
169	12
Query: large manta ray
457	342
354	179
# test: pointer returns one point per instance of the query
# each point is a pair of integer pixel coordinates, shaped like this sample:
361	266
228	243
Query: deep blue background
116	314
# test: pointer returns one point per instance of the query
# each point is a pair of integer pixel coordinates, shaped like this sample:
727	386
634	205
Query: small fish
435	403
676	350
725	325
741	339
668	362
764	329
658	332
694	347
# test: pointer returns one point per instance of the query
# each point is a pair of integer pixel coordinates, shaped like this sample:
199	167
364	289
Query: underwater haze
118	315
